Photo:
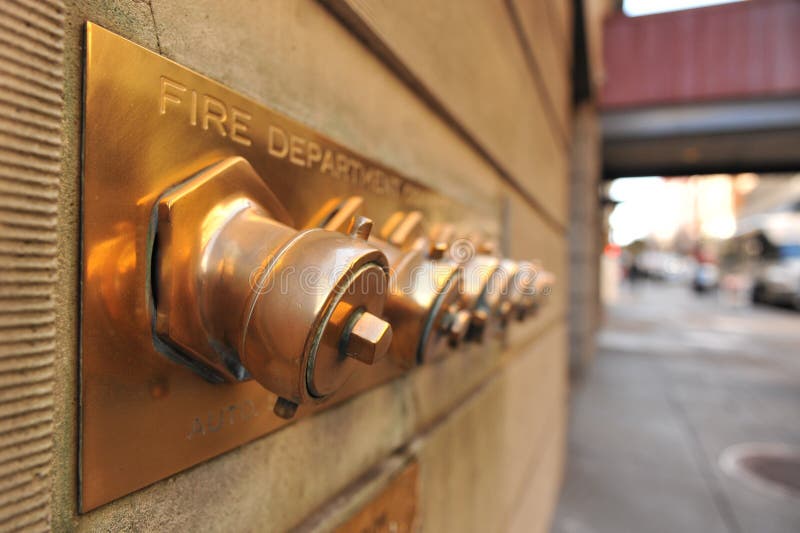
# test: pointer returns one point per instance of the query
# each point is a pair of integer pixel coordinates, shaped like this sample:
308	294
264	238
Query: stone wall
585	238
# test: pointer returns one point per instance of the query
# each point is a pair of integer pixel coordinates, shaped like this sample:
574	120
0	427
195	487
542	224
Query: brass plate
394	510
150	123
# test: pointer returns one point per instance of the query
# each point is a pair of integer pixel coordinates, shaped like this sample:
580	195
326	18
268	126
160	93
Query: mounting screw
285	408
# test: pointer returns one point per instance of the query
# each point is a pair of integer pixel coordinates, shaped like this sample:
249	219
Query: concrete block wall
469	98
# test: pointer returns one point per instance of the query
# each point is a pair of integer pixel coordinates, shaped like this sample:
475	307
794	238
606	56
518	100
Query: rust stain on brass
150	124
394	510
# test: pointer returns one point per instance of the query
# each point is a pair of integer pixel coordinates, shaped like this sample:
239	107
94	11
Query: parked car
769	256
778	279
706	277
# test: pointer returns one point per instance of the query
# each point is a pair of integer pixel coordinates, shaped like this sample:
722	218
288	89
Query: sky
658	208
635	8
645	209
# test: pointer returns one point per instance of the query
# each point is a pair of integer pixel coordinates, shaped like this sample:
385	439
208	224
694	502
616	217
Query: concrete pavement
677	379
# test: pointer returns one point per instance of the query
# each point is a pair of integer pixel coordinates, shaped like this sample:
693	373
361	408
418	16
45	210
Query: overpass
707	90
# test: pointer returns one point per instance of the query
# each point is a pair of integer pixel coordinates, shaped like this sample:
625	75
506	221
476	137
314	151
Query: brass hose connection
484	282
423	300
536	284
240	293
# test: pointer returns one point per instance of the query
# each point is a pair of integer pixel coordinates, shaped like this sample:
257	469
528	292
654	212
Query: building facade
471	99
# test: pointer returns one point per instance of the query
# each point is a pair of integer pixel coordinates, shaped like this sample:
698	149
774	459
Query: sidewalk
678	379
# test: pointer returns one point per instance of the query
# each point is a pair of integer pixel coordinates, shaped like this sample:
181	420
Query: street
677	379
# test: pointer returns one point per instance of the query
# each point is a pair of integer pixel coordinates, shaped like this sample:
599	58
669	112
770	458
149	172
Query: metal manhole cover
771	467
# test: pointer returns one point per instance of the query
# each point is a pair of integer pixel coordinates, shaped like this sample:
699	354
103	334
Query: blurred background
685	408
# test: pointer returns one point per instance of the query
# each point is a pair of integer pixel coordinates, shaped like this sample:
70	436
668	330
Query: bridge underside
705	90
740	136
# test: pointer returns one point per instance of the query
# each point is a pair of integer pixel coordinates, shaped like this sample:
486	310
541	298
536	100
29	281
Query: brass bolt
458	328
360	227
437	250
478	325
486	247
480	317
506	308
369	338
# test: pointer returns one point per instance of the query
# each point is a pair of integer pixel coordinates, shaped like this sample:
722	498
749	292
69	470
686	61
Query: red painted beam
735	51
